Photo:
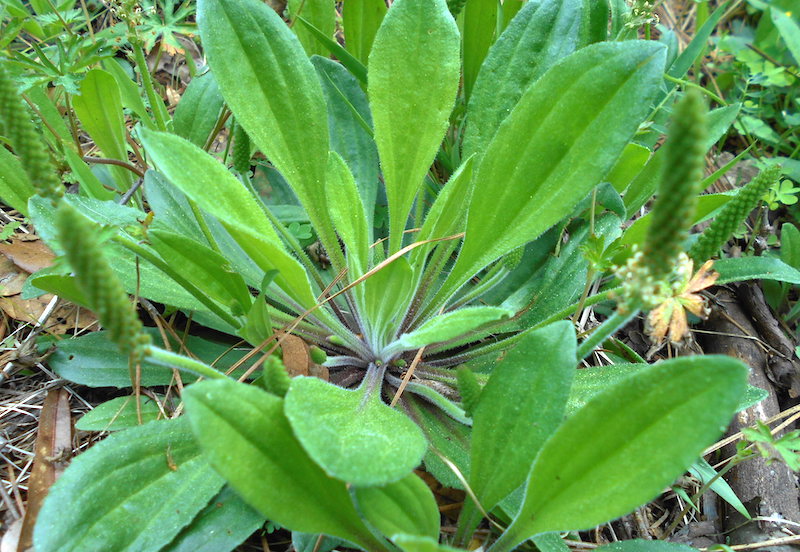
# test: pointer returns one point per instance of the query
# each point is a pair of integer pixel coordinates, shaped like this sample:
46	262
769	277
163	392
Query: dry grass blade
53	447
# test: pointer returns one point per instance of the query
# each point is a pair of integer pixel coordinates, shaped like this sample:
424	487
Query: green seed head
276	379
673	210
733	214
241	150
96	279
318	356
469	389
26	141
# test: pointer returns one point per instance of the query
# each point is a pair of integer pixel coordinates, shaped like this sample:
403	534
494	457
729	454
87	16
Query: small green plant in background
442	329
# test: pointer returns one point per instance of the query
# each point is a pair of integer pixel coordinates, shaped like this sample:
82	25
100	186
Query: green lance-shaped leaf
133	491
449	326
15	186
101	287
270	85
348	214
674	207
600	463
350	123
405	506
732	215
541	34
638	545
221	526
203	267
321	14
247	438
555	147
198	110
206	181
413	79
523	402
479	25
99	107
352	434
16	124
361	21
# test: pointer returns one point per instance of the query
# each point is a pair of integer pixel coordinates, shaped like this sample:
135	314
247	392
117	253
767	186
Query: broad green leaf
519	408
137	275
15	186
206	181
413	543
170	205
593	381
790	245
321	14
361	21
541	34
413	79
99	107
789	29
258	324
204	267
130	93
600	463
633	159
755	268
405	506
95	361
550	542
119	413
555	147
198	110
270	85
350	124
133	491
479	23
347	212
352	434
221	526
449	437
638	545
248	440
449	326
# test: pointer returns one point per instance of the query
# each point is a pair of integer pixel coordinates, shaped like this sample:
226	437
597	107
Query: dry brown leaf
12	278
295	355
65	317
53	449
29	254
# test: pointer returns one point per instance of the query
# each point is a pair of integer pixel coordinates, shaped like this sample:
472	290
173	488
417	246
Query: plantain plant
441	327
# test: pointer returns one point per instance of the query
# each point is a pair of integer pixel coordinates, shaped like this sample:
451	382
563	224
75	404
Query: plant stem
604	331
156	105
468	521
160	357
